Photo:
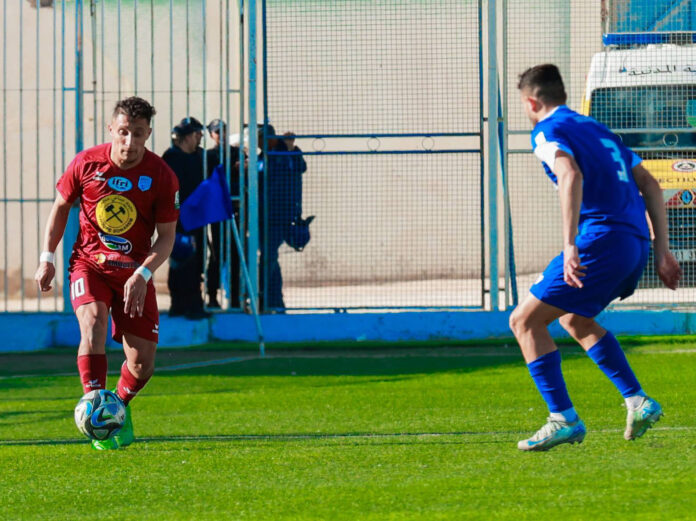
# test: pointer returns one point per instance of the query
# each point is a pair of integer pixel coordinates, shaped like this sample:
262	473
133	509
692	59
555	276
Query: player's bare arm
570	191
135	288
54	233
668	268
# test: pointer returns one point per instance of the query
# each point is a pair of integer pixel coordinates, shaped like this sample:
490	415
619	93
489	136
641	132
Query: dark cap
216	125
187	126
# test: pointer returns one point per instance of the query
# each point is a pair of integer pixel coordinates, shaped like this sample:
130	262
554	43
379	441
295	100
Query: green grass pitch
376	433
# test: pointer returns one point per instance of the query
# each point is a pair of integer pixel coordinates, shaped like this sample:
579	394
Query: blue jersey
611	200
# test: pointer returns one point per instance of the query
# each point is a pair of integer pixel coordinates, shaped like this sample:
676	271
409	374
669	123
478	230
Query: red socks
129	385
92	370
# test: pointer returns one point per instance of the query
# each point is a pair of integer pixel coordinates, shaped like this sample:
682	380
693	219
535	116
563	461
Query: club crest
144	183
116	214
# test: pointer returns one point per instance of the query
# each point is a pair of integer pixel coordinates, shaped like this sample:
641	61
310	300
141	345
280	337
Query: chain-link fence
385	101
379	132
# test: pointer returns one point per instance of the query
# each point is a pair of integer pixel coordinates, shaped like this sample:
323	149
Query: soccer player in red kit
126	194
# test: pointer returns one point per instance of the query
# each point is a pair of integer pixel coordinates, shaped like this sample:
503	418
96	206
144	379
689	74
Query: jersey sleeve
69	185
547	141
167	202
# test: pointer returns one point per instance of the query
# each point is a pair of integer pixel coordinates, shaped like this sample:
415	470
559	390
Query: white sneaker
553	433
642	418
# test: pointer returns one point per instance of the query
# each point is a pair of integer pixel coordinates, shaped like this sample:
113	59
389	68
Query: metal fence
388	102
385	100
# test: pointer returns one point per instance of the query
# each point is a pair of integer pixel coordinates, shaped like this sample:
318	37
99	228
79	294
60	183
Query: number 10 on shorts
77	288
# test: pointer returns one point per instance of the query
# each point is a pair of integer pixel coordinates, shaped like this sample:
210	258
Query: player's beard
130	157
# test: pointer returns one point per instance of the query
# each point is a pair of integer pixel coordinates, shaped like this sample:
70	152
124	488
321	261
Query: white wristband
144	273
47	256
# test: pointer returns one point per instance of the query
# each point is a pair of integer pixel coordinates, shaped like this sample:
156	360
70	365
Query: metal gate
384	102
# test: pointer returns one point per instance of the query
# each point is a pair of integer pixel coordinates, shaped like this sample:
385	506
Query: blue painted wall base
36	331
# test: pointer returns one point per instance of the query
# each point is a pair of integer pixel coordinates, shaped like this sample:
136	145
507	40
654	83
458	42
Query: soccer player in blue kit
605	248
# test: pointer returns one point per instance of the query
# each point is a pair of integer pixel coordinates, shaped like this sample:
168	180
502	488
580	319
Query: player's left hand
573	271
134	291
668	269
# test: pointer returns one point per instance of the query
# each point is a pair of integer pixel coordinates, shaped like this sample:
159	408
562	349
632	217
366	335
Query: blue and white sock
547	375
610	358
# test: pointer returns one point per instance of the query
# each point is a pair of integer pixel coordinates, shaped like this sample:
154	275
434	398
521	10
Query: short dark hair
135	108
545	83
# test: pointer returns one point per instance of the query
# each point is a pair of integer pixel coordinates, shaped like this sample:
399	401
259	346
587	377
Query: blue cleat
553	433
642	418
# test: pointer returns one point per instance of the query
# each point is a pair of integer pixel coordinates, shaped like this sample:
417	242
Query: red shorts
88	285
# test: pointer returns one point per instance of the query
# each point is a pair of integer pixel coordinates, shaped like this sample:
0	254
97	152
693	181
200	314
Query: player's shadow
374	366
386	364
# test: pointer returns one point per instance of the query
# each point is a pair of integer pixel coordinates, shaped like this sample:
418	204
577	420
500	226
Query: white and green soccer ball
100	414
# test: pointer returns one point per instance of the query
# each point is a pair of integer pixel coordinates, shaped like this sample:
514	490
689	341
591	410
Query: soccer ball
100	414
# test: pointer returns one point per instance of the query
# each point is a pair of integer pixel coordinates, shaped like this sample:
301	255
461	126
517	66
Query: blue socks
607	354
547	375
610	358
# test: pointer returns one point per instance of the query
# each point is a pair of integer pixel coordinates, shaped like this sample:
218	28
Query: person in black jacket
185	158
282	192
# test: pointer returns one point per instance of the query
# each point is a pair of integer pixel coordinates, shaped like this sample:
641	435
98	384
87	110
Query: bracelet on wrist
144	273
47	256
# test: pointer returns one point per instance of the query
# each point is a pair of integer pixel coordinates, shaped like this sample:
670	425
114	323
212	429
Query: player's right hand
668	269
44	275
573	271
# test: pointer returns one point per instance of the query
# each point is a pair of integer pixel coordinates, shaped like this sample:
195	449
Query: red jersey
118	208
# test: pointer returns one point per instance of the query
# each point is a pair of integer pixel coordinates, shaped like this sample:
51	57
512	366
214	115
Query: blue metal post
79	88
510	266
72	226
253	243
493	153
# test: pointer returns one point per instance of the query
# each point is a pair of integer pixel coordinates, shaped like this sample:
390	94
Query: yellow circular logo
116	214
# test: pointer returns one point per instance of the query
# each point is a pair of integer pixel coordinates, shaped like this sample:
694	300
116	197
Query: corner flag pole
247	282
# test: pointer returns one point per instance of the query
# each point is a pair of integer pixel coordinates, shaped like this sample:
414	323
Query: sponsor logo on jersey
176	200
116	243
684	166
116	214
100	258
144	183
122	264
120	184
99	176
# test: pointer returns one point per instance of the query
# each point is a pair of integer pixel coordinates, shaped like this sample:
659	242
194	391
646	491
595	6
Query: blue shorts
614	263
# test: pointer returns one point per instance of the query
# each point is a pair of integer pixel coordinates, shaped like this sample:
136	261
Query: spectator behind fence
281	187
218	156
185	158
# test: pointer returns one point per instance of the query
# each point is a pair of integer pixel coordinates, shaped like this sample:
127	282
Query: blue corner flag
209	203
